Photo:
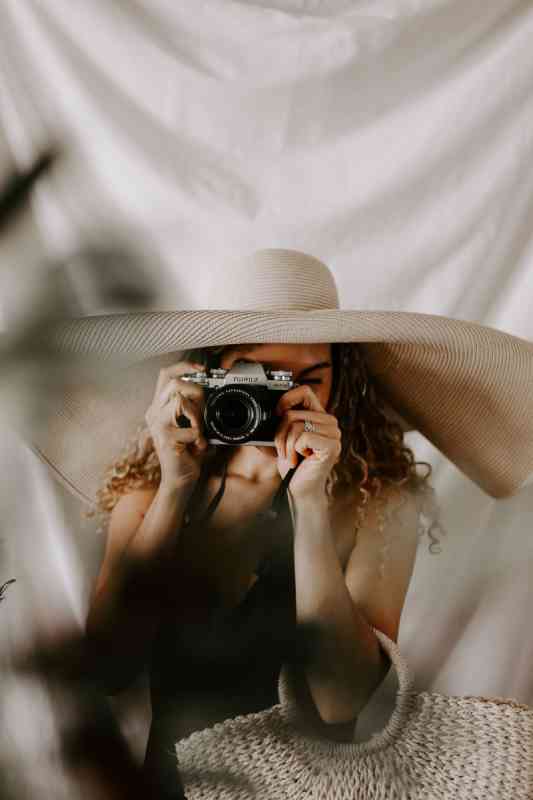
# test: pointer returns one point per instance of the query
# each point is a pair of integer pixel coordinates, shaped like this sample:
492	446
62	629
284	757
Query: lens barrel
233	413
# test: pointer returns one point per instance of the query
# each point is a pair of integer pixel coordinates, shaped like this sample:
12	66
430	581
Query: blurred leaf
15	193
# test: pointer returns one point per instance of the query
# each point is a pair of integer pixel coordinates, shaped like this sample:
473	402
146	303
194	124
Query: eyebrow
315	366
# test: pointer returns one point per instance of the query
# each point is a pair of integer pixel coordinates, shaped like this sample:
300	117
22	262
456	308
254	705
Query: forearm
126	604
156	537
144	560
345	664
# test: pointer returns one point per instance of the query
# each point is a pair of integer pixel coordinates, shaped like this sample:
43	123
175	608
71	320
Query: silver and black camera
240	402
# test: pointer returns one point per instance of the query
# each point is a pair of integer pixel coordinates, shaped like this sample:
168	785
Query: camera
240	402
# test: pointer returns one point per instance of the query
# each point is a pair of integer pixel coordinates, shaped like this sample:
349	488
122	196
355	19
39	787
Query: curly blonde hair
373	455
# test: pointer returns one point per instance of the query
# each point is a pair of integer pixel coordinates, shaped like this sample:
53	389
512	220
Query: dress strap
280	556
272	512
275	508
211	508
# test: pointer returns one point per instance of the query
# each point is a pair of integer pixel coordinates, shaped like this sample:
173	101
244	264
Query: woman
212	602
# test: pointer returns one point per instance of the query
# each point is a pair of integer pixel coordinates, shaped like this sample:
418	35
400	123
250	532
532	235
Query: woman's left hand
321	450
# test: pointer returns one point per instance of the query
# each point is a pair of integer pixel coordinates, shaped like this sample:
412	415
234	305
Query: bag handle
405	699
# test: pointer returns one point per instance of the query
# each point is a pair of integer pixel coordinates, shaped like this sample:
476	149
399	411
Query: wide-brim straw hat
466	387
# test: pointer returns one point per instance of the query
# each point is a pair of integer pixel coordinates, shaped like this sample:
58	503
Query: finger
174	371
180	435
164	375
184	388
296	431
316	417
182	406
324	448
281	438
293	431
306	413
322	420
300	395
324	426
164	419
195	416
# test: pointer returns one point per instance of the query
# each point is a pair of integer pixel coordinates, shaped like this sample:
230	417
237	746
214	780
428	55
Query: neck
254	463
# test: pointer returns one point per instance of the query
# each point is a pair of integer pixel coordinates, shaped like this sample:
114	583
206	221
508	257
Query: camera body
240	402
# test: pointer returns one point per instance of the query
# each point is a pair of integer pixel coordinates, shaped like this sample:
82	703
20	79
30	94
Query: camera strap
272	512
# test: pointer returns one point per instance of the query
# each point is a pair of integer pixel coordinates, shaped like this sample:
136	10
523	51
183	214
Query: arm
124	610
347	663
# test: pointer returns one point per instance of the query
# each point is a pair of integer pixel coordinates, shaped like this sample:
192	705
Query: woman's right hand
181	451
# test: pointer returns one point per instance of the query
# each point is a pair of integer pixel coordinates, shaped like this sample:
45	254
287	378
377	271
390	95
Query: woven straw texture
433	747
466	387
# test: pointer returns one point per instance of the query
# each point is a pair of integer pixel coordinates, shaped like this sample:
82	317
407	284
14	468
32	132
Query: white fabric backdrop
392	139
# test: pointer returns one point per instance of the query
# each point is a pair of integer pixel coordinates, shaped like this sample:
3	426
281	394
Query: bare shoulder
131	508
391	513
381	564
391	501
126	516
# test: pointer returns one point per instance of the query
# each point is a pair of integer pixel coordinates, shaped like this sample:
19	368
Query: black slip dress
221	663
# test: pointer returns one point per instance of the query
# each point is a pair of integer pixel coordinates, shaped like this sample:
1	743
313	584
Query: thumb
283	464
145	444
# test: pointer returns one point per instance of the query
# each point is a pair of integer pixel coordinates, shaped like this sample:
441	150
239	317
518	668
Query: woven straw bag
433	746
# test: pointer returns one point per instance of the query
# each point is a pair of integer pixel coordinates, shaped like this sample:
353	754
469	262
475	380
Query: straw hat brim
466	387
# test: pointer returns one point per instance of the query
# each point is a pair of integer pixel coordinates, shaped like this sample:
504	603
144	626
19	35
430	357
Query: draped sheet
392	139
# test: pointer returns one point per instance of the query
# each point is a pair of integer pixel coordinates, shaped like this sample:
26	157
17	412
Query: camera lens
233	414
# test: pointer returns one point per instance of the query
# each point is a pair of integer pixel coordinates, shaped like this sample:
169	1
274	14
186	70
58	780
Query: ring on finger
309	427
